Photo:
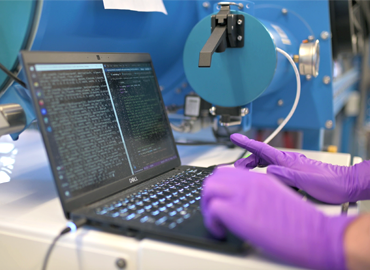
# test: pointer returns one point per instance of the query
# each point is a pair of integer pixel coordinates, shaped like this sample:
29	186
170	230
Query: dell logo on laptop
133	179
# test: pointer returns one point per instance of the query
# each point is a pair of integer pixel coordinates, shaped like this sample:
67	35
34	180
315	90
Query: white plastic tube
295	104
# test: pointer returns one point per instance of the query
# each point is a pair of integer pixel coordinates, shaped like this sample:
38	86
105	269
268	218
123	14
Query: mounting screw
324	35
206	4
280	120
121	263
178	90
184	85
244	111
329	124
326	80
280	102
240	5
212	110
161	87
310	38
284	11
308	77
240	38
240	21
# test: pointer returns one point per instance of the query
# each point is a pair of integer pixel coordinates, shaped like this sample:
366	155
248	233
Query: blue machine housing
238	76
87	26
315	108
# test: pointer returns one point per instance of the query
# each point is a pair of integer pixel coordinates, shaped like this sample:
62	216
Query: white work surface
31	216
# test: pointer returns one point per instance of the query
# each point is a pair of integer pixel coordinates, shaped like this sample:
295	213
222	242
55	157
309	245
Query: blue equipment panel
15	20
316	104
87	26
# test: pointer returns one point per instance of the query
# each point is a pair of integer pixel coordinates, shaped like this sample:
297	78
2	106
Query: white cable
298	94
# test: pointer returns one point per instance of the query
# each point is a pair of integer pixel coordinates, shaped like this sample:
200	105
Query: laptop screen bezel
35	57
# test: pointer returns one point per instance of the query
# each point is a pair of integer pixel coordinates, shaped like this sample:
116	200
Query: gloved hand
326	182
261	210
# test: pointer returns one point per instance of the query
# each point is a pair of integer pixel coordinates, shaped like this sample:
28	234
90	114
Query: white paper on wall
136	5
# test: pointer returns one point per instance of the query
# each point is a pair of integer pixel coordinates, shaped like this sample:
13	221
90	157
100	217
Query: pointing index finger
260	149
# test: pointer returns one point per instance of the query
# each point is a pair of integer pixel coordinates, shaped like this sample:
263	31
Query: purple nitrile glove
326	182
260	209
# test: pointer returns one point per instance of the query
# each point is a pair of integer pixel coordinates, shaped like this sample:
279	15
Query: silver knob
309	58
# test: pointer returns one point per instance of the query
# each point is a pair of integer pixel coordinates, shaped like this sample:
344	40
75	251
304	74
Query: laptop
111	147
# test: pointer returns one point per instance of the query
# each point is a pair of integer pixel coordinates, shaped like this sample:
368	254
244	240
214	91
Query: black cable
72	226
12	76
227	131
50	249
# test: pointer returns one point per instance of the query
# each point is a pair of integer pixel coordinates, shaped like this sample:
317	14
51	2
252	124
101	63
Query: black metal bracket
229	115
227	32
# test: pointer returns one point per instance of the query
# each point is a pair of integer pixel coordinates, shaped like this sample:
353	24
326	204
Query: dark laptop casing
191	232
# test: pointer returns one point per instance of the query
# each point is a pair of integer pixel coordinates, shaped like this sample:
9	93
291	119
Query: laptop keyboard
167	203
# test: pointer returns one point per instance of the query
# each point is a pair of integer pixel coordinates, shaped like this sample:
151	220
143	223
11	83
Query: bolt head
280	120
121	263
280	102
206	4
324	35
326	80
308	77
310	38
329	124
240	38
240	21
284	11
244	111
240	6
178	90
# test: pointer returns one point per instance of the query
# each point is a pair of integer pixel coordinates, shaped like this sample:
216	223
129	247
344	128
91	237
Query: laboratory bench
31	217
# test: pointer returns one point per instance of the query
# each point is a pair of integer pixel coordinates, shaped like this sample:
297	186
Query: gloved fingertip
215	228
246	163
239	163
238	136
220	234
238	139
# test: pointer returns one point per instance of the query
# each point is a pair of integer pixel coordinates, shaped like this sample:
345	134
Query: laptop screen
103	121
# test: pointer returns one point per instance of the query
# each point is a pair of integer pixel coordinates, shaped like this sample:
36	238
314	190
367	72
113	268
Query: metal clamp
229	116
12	119
227	32
240	5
